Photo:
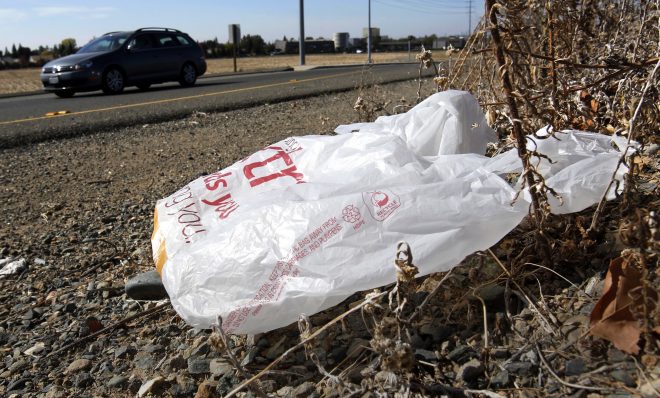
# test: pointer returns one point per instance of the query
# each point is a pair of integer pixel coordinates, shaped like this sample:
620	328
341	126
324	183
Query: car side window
182	39
166	40
141	42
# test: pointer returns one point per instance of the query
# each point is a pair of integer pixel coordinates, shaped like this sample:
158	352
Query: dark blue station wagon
119	59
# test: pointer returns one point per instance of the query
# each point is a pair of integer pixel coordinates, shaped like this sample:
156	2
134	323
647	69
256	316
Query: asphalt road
25	119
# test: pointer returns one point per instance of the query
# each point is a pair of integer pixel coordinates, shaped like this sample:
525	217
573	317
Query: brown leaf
611	318
93	324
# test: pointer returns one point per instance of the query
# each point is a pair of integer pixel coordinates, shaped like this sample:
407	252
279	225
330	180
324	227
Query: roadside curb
301	68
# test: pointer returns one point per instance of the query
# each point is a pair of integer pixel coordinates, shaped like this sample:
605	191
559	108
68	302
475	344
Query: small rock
83	380
520	368
219	367
177	362
427	355
501	379
35	349
575	367
276	349
78	365
461	354
489	293
651	150
201	350
153	386
30	315
118	381
650	389
304	390
207	389
616	355
153	348
500	353
125	351
146	286
55	392
12	267
184	387
17	384
623	376
286	391
198	366
144	361
470	370
250	355
437	332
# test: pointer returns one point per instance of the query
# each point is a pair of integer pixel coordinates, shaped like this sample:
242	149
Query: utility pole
369	36
301	42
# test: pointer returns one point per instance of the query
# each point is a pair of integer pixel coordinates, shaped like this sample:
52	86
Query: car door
170	53
142	58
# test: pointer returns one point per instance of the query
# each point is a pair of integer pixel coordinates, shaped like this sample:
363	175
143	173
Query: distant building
398	45
443	43
375	32
9	61
341	41
357	42
311	46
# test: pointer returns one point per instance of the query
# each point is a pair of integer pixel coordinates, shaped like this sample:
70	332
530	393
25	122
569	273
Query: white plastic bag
304	223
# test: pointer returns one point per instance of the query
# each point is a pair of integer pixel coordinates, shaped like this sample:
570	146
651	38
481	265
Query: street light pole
369	36
301	42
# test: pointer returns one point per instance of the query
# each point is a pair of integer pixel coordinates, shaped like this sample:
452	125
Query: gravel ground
79	211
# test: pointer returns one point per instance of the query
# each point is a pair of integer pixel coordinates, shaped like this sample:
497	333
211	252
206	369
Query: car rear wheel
113	81
143	86
65	93
188	75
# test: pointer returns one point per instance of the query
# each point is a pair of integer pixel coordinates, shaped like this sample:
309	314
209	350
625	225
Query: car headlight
83	65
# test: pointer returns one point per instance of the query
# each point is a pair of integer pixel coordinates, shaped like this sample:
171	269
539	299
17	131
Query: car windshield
105	43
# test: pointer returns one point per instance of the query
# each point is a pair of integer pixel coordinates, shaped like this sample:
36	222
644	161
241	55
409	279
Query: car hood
71	59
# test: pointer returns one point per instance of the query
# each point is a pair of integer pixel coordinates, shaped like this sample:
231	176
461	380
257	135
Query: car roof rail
163	29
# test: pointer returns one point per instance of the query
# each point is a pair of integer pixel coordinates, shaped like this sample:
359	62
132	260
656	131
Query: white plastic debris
11	267
447	123
302	224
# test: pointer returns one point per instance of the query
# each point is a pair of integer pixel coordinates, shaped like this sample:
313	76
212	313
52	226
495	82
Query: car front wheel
188	75
113	81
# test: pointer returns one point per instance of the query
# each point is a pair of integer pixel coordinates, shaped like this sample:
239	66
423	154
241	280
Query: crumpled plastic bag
302	224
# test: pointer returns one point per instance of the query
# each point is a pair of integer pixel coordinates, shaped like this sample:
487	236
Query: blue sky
39	22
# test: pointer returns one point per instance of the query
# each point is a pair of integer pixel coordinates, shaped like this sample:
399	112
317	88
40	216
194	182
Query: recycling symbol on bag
351	214
381	204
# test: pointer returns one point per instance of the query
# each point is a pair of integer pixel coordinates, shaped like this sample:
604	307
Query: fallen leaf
611	318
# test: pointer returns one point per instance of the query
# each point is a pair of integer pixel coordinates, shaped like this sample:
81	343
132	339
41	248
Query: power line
436	11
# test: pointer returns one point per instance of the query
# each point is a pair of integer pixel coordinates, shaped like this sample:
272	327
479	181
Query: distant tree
23	54
252	44
284	38
6	54
14	51
68	46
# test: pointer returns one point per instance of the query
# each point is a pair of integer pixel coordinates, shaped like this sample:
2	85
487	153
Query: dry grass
23	80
